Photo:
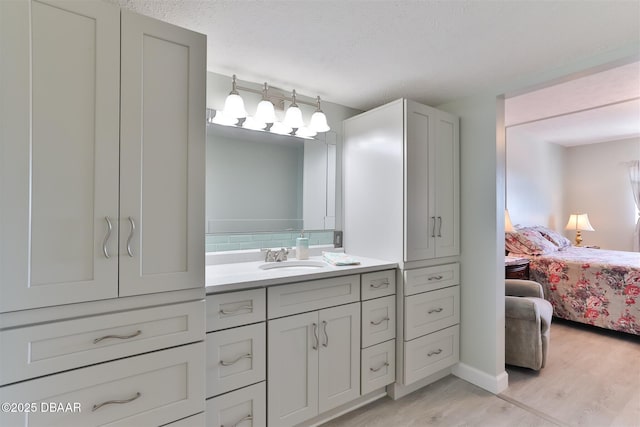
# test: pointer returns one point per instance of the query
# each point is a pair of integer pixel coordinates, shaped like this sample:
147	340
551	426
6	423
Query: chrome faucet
272	255
281	255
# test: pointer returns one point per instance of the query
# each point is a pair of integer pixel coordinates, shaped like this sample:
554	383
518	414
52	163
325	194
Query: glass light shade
319	122
234	106
221	119
579	222
508	225
305	132
252	123
265	112
280	128
293	117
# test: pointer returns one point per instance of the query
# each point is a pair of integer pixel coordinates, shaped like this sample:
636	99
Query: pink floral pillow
528	242
553	236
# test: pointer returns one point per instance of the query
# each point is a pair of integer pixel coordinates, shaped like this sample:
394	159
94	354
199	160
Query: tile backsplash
223	242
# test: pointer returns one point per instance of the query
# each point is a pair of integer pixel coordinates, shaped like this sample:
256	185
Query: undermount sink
306	264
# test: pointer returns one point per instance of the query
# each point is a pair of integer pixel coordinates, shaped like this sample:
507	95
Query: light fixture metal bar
279	97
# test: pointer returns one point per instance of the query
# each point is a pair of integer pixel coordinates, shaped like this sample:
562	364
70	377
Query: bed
592	286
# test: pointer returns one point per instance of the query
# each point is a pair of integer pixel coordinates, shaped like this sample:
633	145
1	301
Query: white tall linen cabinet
402	203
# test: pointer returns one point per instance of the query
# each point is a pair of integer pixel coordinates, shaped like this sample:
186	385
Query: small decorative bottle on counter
302	247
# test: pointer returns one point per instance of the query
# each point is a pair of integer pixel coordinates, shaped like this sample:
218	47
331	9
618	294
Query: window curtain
634	179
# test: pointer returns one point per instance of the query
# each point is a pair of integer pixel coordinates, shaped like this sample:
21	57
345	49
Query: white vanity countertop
246	275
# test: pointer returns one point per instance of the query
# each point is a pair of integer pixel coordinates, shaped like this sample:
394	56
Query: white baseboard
494	384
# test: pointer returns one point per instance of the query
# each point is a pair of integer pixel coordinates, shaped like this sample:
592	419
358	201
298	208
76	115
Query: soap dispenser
302	247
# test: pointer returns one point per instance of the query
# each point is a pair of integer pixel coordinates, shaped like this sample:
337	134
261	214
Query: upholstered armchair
527	324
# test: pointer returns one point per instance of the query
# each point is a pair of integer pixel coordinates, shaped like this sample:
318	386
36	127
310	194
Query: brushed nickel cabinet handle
105	250
379	321
326	336
115	402
244	307
381	366
435	278
433	230
133	229
315	335
120	337
435	310
383	284
440	227
431	353
240	421
236	360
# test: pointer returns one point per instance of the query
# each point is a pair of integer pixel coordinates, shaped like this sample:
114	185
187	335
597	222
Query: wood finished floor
592	379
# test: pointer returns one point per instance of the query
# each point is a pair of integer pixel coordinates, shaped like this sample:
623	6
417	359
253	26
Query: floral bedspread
592	286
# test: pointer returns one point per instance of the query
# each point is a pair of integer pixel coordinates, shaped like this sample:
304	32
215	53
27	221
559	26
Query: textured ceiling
364	53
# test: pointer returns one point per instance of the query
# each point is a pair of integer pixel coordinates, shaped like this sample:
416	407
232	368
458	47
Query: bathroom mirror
264	182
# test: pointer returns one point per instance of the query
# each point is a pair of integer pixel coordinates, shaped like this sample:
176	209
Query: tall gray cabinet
402	203
101	214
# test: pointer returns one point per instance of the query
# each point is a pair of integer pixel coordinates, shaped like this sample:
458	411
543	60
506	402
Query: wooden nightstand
516	268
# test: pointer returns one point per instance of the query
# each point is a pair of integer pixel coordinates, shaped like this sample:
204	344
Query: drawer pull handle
120	337
440	227
431	353
435	310
384	319
236	360
105	250
315	335
433	231
244	307
435	278
385	364
240	421
131	231
326	336
114	402
380	284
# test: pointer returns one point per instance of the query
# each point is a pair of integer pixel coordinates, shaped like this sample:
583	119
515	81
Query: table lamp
579	222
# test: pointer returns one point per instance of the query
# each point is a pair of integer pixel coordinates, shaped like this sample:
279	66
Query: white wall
535	181
482	217
597	182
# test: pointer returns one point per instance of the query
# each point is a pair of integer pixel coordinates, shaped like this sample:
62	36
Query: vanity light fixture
319	120
265	113
234	113
293	116
234	105
219	118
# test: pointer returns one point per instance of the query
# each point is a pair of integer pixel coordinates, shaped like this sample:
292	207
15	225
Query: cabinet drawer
431	311
236	358
39	350
235	309
431	278
312	295
378	320
429	354
154	389
378	366
246	407
378	284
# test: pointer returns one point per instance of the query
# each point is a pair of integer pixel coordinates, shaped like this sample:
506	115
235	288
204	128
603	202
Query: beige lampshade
508	225
579	222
